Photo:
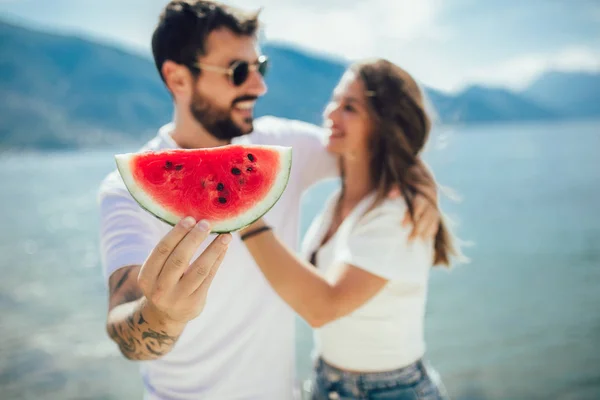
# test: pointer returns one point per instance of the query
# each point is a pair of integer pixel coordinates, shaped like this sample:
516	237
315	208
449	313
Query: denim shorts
413	382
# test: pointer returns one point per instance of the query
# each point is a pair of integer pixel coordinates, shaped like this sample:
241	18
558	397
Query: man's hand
175	290
149	305
426	218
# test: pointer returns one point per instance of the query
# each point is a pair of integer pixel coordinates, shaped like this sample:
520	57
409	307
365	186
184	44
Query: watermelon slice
230	186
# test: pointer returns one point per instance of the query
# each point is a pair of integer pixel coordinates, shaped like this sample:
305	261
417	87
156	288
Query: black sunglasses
239	71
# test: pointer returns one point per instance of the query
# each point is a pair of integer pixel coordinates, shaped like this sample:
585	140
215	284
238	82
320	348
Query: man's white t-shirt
242	346
386	332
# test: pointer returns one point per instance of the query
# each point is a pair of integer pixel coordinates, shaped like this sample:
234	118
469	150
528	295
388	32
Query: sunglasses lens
263	66
242	70
240	73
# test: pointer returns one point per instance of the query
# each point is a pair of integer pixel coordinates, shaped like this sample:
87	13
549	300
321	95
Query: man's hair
184	26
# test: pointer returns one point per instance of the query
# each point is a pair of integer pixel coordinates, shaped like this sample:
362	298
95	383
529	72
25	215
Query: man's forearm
140	334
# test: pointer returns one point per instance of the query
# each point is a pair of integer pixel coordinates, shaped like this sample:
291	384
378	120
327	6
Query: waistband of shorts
409	373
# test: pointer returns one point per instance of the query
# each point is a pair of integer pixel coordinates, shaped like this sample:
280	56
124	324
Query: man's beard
218	121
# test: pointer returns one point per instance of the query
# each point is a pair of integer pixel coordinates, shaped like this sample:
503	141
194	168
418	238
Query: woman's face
347	119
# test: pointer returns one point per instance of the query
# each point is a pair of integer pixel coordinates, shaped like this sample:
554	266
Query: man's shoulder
113	184
279	126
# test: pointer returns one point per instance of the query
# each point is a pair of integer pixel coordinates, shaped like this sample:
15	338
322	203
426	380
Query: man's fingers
426	224
421	204
425	213
155	261
432	228
427	190
201	269
180	257
418	209
413	234
201	292
407	219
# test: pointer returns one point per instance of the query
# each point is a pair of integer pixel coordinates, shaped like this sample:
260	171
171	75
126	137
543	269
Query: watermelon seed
236	171
251	157
220	186
178	167
168	165
249	169
222	200
242	181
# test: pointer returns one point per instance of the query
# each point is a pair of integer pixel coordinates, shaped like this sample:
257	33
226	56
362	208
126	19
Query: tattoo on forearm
136	338
151	350
155	341
126	344
138	341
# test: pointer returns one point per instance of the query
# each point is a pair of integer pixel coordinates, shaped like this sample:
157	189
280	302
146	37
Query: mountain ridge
64	91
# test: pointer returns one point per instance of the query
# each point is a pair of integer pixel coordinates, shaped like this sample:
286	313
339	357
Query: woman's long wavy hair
401	127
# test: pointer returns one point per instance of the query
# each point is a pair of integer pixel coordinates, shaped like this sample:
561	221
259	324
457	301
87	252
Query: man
235	341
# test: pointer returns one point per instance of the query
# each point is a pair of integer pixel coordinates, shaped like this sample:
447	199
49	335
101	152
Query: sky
445	44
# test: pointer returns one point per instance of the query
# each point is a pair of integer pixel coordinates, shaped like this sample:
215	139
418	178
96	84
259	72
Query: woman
366	297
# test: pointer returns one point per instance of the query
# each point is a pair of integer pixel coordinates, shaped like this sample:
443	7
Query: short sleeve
126	237
379	244
310	161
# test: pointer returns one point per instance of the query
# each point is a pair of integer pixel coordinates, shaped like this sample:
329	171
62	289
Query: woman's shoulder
395	205
388	210
379	242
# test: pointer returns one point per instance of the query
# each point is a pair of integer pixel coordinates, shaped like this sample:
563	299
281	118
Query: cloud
519	71
349	29
443	44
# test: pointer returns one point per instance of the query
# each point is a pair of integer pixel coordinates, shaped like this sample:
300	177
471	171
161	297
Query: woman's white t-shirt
386	332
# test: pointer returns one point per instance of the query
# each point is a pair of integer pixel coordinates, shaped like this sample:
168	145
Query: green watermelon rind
227	226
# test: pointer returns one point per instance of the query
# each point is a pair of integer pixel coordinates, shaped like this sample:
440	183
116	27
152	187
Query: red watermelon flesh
231	186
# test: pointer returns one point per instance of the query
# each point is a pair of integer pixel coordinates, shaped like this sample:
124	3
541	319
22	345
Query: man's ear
178	78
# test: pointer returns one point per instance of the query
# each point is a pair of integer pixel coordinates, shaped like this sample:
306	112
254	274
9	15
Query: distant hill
483	104
574	94
61	91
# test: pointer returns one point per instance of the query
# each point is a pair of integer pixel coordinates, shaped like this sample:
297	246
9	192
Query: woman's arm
298	283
